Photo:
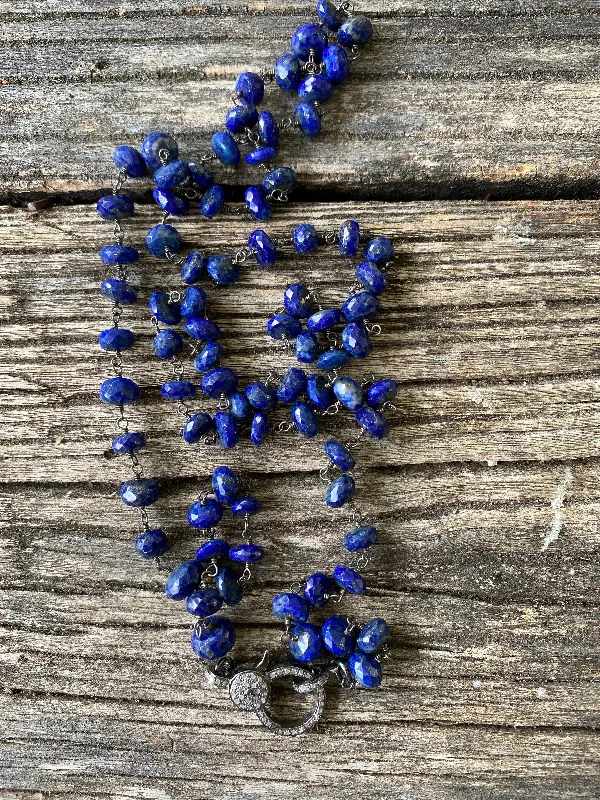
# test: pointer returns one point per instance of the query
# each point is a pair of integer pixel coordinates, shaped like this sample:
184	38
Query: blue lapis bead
157	144
339	492
205	513
319	391
360	538
308	118
212	548
241	117
203	602
251	87
305	644
305	419
161	238
339	455
172	174
266	251
248	553
208	357
196	426
332	359
373	635
227	430
349	393
318	588
118	291
115	206
291	385
329	15
290	606
374	422
119	391
349	238
363	305
307	38
239	407
324	319
379	250
167	344
222	269
193	302
381	392
171	203
366	669
268	129
194	267
283	326
288	72
226	486
356	30
128	442
307	347
219	381
163	309
259	428
355	340
152	543
177	390
118	254
256	203
225	148
228	586
283	178
202	329
261	155
261	396
139	492
297	300
212	201
215	640
116	339
372	277
306	238
183	580
246	506
129	159
335	636
200	175
337	63
349	579
315	89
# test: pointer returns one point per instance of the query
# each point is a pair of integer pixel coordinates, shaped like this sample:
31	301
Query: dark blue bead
222	269
183	580
319	392
363	305
382	392
196	426
219	381
128	442
169	202
373	635
164	311
335	638
241	117
288	72
283	326
305	644
339	492
200	175
225	148
324	319
315	89
307	38
317	589
268	129
349	393
245	506
212	201
228	586
355	340
119	391
251	87
248	553
129	159
208	357
259	428
307	347
116	339
349	579
152	543
239	407
212	548
291	385
193	302
203	602
118	254
360	538
225	485
115	206
214	641
205	513
202	329
261	396
308	118
262	155
152	146
266	252
329	15
139	492
349	238
374	422
372	277
256	203
227	429
171	175
332	359
177	390
163	237
337	63
305	420
306	238
290	606
379	250
339	456
297	300
282	178
356	30
193	267
365	669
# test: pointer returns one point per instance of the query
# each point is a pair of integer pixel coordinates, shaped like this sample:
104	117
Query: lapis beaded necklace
340	647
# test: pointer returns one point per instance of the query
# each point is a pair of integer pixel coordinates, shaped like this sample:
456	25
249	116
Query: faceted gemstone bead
212	201
328	15
225	484
332	359
337	63
306	238
205	513
239	407
335	638
116	339
283	326
259	428
349	579
227	429
177	390
215	640
115	206
172	174
339	455
307	38
282	178
261	396
315	89
193	302
365	669
203	602
324	319
379	250
161	238
349	238
291	385
225	148
152	146
251	87
222	269
305	644
212	548
219	381
349	393
202	329
208	357
248	553
193	267
374	422
139	492
241	117
305	420
356	30
171	203
266	252
129	159
256	203
261	155
119	254
183	580
318	587
290	606
228	586
308	118
119	391
363	305
355	340
372	277
360	538
128	442
164	311
373	635
319	392
381	392
245	506
268	129
297	300
307	347
339	492
196	426
152	543
288	72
